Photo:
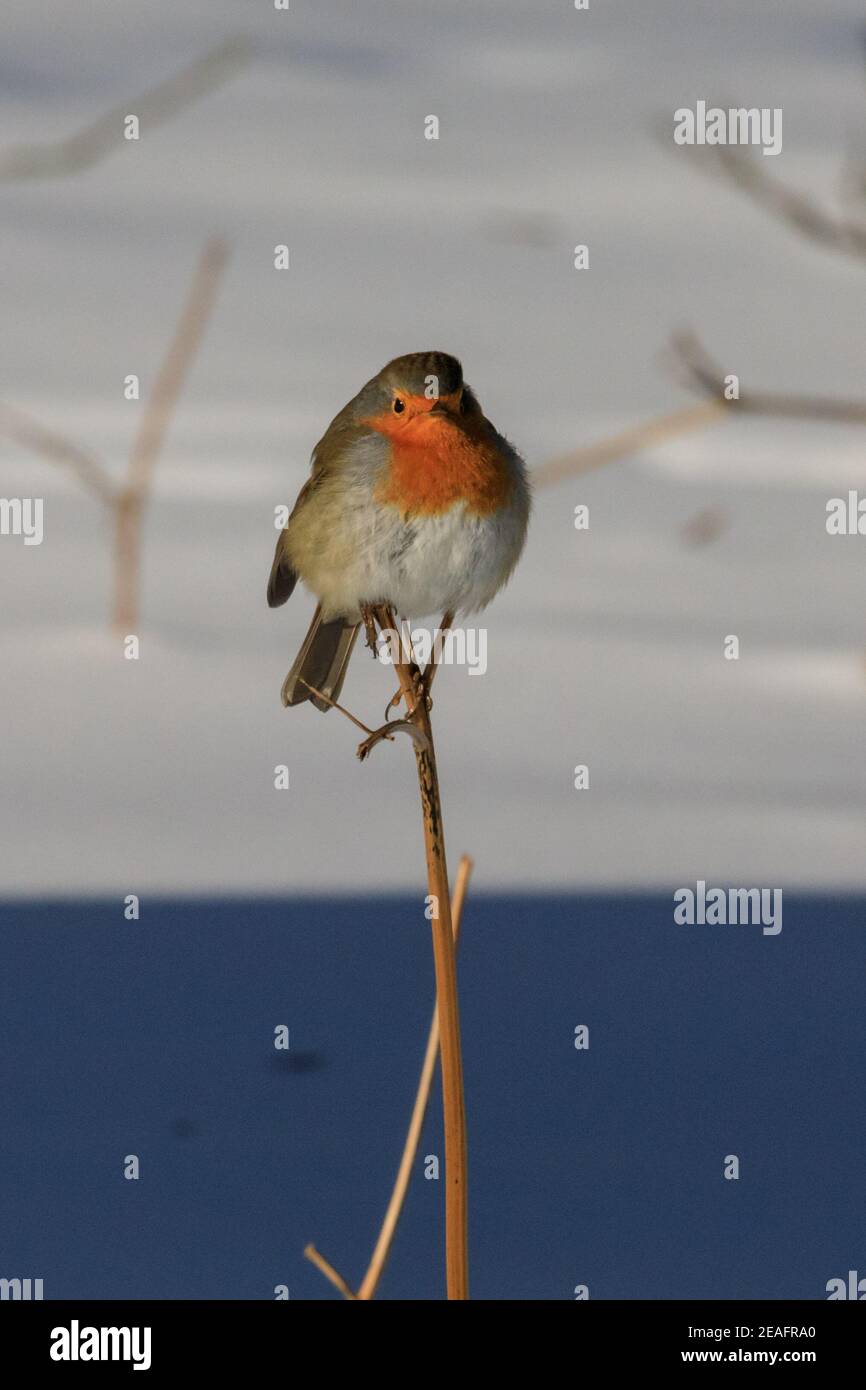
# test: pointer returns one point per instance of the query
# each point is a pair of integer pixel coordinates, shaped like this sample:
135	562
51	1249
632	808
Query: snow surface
157	775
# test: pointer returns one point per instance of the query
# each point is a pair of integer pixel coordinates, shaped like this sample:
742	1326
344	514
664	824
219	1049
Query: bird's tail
321	662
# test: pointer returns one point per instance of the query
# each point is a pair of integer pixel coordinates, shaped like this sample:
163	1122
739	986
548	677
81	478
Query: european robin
414	501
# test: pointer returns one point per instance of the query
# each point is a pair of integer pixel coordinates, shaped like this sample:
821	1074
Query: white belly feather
427	565
351	548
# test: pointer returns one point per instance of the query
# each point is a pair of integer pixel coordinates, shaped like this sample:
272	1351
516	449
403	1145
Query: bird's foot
368	617
421	684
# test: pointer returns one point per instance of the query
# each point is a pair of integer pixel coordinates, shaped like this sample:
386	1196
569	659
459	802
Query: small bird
414	501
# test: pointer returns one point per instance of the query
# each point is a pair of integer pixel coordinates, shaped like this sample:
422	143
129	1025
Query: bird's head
414	394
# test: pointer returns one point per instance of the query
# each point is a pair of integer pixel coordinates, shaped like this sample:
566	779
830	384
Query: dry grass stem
378	1260
382	1249
456	1159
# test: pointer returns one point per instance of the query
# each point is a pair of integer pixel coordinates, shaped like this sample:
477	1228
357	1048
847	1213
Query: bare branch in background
698	371
801	211
127	501
152	108
630	441
91	473
154	424
695	367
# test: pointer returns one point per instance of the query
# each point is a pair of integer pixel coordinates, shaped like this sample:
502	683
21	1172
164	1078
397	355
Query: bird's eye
399	406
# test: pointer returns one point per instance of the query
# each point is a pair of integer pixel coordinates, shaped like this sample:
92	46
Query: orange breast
436	463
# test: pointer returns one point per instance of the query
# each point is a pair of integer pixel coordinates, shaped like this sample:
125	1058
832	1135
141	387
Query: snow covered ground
607	648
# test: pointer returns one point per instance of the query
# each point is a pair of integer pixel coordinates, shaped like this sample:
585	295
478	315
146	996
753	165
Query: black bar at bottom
66	1338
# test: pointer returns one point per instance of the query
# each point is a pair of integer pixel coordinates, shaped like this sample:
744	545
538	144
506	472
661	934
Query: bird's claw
368	617
422	691
393	703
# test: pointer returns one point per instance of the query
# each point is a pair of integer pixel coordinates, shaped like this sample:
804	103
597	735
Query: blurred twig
698	371
629	441
31	435
127	501
834	231
800	211
88	146
382	1249
154	422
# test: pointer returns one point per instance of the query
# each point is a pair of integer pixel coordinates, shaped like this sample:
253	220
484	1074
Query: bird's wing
283	578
